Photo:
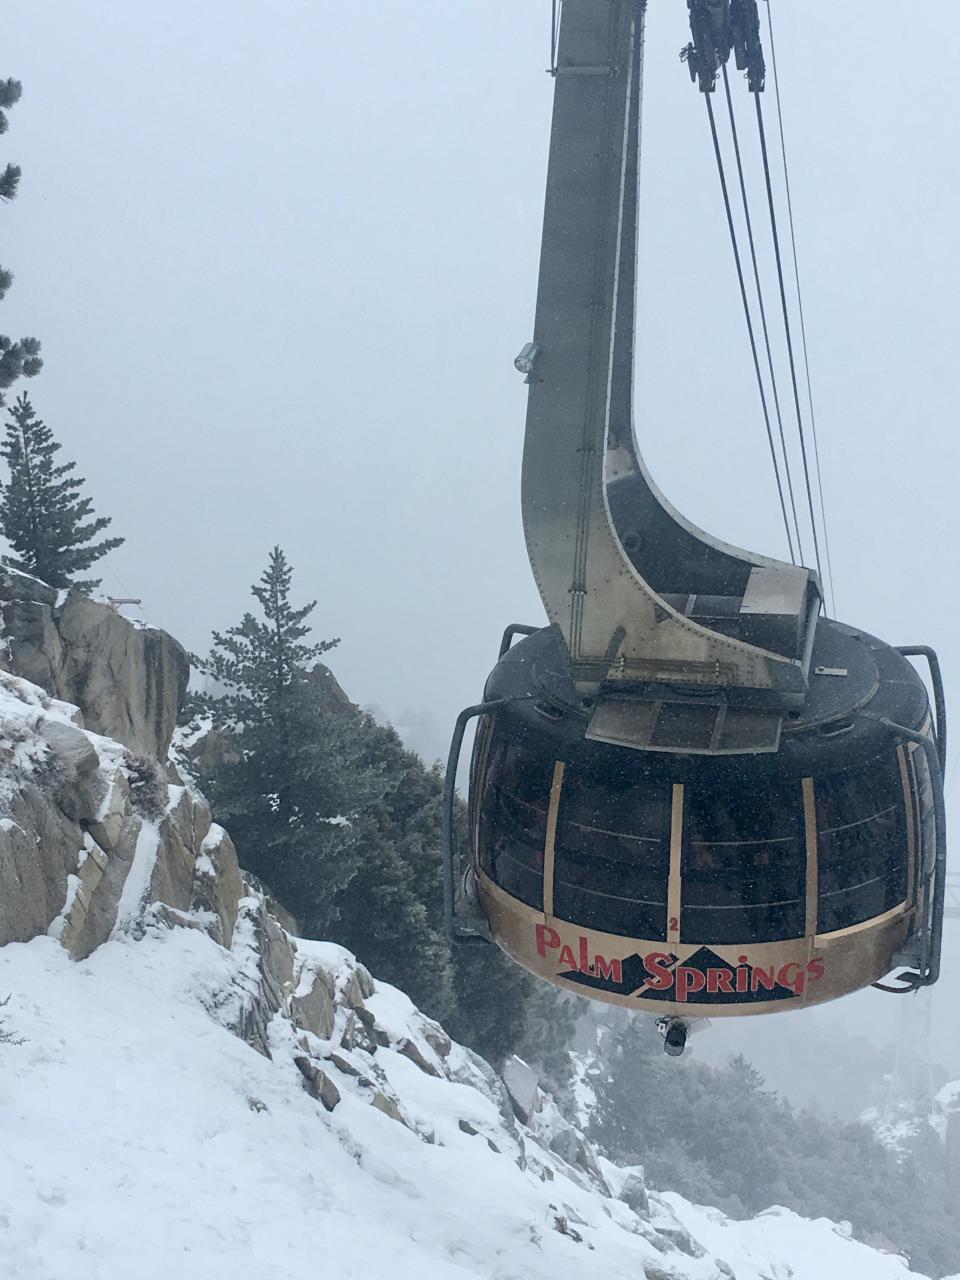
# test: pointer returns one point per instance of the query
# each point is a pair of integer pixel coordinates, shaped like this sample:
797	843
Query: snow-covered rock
90	833
143	1138
127	680
523	1087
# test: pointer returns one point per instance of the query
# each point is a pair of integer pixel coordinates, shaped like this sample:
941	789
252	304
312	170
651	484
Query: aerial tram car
691	792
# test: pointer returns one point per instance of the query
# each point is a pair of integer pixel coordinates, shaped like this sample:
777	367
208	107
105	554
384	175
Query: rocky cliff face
91	830
97	846
126	680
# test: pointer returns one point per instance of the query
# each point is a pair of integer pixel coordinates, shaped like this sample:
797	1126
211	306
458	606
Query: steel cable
786	329
803	332
753	341
763	310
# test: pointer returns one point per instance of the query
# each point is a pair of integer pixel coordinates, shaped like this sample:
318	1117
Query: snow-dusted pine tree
290	778
42	514
344	825
20	359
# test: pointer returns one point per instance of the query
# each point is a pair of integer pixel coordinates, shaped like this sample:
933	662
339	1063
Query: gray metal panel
711	729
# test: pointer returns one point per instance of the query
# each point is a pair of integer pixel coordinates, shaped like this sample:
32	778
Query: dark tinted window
862	844
743	864
512	829
612	854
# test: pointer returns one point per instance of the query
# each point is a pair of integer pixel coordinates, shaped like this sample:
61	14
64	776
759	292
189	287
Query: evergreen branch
10	91
9	181
42	515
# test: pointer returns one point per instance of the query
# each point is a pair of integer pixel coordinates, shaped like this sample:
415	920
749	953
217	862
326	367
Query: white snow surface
141	1139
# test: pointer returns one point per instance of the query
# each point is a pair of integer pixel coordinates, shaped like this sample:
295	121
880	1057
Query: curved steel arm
614	583
933	940
449	794
515	629
939	701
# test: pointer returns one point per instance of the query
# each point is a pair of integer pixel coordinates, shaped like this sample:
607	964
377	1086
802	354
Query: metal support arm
449	851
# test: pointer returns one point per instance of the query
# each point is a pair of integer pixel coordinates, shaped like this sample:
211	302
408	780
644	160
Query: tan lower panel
850	959
813	866
675	882
549	849
893	914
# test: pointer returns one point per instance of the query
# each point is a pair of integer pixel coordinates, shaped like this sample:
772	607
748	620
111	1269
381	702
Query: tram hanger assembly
691	794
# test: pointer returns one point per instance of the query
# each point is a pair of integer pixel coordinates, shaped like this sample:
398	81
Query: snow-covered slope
141	1139
192	1092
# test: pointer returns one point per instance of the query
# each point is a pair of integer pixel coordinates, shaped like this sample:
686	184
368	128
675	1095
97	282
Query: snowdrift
143	1138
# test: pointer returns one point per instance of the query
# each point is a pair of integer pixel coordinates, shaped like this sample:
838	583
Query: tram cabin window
612	854
743	864
862	844
513	819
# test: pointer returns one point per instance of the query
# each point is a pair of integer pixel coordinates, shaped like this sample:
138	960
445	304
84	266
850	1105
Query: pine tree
292	779
391	913
344	825
21	358
42	514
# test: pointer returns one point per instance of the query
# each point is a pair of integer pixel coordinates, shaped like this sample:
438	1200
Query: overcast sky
281	257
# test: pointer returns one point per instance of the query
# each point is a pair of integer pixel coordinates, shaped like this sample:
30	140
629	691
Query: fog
281	257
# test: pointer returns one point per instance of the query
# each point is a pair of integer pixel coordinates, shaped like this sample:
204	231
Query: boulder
312	1006
365	980
374	1031
348	1037
411	1050
388	1106
282	916
39	850
15	585
33	642
277	952
574	1150
680	1238
523	1088
369	1034
71	748
69	925
114	808
217	884
634	1193
128	681
174	869
347	1068
317	1083
470	1069
95	916
436	1038
274	951
358	986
